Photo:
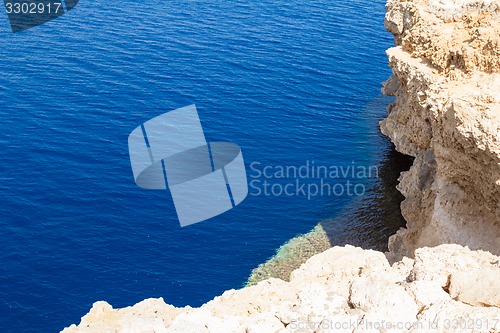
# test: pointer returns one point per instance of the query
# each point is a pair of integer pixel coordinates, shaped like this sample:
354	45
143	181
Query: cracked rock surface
344	289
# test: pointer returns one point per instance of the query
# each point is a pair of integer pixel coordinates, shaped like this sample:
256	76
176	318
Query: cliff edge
446	81
344	289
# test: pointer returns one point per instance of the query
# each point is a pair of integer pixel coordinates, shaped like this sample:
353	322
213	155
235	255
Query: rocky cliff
446	81
446	67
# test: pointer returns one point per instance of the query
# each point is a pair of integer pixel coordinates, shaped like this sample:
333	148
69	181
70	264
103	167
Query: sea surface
291	82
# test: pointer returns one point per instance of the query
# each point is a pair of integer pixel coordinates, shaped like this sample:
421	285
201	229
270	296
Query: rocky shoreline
441	271
344	289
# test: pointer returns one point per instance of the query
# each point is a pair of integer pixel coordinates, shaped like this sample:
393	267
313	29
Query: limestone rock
479	287
146	316
344	289
446	115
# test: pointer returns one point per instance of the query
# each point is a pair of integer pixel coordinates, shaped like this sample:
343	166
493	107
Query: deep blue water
288	81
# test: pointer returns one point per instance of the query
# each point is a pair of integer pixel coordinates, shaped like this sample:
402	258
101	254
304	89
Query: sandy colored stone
344	289
146	316
479	287
452	35
446	115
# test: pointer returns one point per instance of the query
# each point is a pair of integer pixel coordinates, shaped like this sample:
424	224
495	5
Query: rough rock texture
344	289
446	81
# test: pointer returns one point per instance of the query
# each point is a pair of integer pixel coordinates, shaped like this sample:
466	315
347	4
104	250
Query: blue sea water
288	81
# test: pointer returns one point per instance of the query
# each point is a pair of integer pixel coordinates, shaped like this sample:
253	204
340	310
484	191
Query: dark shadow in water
370	220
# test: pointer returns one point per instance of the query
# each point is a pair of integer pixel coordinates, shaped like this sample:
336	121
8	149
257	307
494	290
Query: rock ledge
344	289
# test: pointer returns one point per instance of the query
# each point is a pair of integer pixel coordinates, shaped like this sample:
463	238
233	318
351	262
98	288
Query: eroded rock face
344	289
446	81
451	34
